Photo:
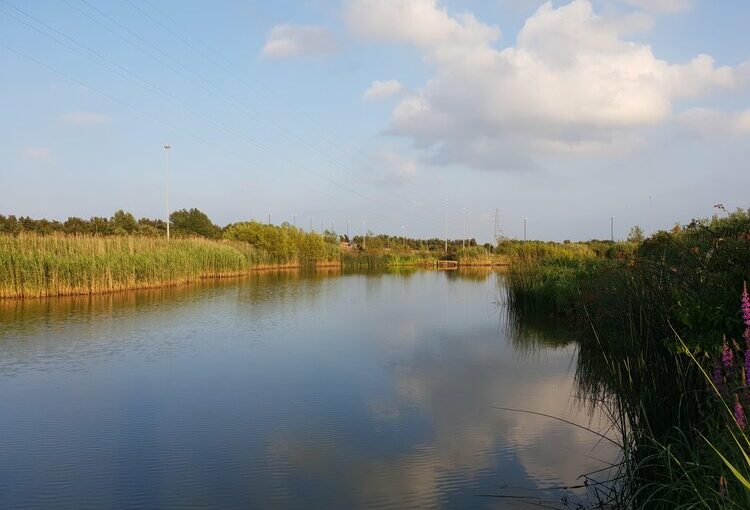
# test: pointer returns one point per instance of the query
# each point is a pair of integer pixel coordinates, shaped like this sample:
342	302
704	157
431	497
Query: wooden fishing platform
447	264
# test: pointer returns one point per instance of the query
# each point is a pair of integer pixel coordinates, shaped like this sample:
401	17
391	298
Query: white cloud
663	6
572	84
36	154
395	168
285	41
382	89
714	123
85	119
418	22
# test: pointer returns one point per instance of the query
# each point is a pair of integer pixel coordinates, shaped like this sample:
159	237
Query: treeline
387	242
185	222
284	241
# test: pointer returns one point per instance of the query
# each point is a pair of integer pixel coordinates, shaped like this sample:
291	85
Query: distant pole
463	241
650	217
446	225
310	223
494	230
294	219
347	230
269	218
166	187
403	234
364	236
524	228
322	229
612	228
333	230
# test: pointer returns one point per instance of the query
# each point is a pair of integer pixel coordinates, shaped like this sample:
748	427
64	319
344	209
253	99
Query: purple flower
727	356
718	377
745	306
747	366
739	412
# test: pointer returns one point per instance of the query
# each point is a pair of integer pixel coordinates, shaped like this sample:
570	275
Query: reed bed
56	265
378	259
655	317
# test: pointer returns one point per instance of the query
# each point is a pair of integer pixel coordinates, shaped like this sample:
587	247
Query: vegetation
659	310
77	256
33	265
285	244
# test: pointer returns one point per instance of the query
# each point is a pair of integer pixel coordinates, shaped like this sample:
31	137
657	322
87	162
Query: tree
194	222
636	235
124	221
74	225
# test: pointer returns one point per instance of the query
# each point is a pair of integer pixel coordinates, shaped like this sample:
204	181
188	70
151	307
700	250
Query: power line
149	86
236	76
139	112
290	136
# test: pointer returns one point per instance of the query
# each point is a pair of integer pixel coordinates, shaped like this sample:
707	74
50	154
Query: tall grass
654	317
36	266
556	278
384	258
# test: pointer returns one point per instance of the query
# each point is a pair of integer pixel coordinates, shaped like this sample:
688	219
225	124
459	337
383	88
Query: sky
402	116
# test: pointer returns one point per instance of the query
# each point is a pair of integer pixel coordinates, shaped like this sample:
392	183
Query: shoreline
229	275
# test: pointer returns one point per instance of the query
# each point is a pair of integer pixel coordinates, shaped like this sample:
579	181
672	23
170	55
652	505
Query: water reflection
287	390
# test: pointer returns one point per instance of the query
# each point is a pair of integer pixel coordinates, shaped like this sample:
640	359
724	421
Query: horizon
565	113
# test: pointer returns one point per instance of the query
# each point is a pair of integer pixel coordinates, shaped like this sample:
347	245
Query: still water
289	390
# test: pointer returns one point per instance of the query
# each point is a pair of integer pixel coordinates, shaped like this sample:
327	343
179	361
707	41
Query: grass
651	321
383	258
53	265
554	278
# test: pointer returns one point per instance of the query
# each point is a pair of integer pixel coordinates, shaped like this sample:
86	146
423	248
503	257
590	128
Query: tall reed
36	266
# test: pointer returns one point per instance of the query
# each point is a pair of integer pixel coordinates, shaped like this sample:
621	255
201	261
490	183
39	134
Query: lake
290	390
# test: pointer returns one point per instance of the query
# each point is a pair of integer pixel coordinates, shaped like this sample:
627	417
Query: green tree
636	235
124	222
194	222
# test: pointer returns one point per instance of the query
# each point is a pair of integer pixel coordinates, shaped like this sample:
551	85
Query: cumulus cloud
710	123
395	168
382	89
85	119
572	84
662	6
36	154
286	41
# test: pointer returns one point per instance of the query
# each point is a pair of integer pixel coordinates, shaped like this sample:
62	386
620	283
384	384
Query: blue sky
385	111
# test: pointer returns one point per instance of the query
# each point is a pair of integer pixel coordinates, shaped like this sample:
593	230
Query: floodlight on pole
525	220
446	225
650	217
166	187
463	241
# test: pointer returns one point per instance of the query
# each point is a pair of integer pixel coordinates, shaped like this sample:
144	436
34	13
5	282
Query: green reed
652	318
35	266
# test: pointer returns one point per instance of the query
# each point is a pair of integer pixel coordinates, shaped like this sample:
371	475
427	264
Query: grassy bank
659	311
60	265
35	266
